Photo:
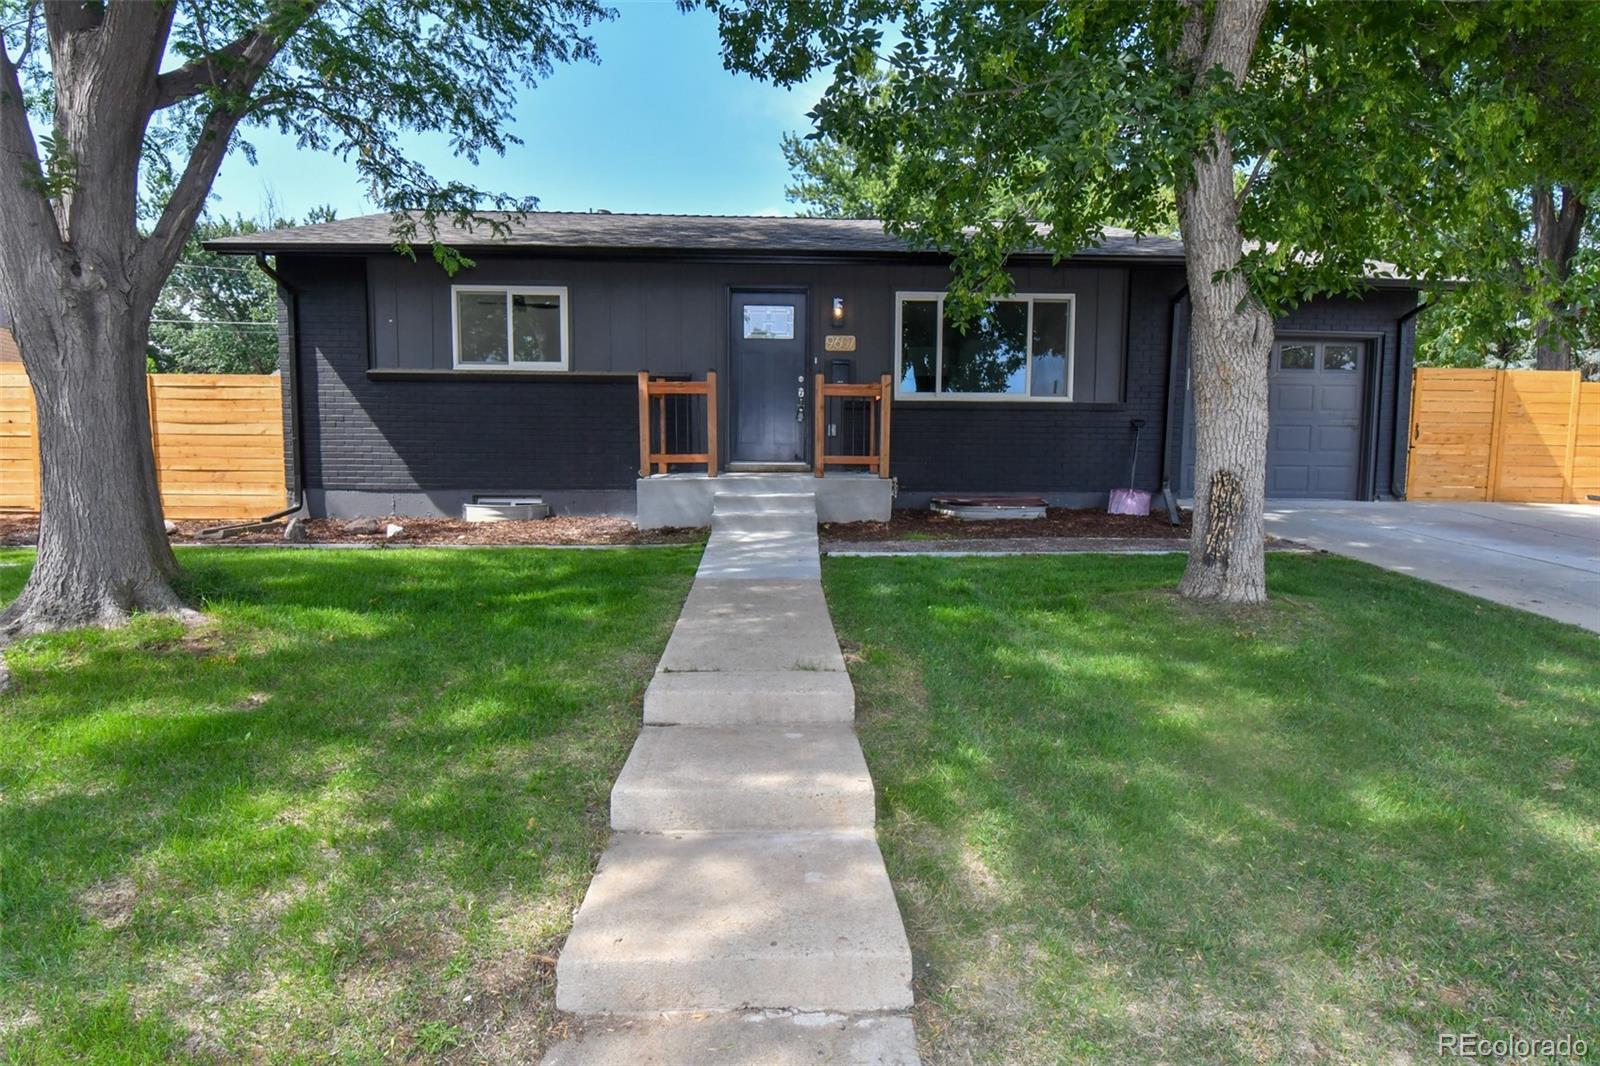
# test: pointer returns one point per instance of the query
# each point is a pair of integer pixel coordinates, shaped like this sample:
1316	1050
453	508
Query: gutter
296	448
1397	487
1166	408
218	532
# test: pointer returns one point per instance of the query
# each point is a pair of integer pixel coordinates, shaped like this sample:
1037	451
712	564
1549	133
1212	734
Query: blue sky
658	125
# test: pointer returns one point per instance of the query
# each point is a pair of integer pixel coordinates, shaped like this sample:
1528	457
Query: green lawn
1124	829
342	821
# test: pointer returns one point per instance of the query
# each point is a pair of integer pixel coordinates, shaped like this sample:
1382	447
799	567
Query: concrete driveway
1543	558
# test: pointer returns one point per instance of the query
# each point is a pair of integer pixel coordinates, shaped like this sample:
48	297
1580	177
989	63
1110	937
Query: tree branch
256	51
212	70
22	202
1255	172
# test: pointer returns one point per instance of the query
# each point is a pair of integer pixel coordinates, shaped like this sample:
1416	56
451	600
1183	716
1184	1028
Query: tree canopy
137	105
217	314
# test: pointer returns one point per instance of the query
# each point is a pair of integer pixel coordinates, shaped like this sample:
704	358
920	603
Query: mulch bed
16	530
1005	546
1058	523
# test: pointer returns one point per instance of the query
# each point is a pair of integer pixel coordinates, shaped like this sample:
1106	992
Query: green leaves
1374	132
217	314
357	78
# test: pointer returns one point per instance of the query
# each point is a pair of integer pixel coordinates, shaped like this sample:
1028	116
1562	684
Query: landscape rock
361	526
393	530
170	526
295	532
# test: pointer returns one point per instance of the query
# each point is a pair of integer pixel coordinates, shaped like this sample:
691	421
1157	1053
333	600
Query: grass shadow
1126	828
352	809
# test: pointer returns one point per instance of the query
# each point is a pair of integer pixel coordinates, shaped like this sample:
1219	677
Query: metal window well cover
505	510
988	508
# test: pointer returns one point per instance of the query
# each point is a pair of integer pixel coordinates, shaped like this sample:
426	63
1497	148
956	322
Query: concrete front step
687	499
762	556
764	503
780	522
744	778
753	626
741	1038
774	697
727	921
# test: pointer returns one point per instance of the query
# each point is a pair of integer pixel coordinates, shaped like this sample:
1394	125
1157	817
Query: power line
211	322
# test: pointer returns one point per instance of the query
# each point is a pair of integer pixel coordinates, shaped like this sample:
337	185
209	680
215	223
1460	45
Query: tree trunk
1555	240
103	551
1230	342
79	282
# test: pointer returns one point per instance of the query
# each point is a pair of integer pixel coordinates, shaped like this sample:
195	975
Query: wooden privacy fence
1527	436
872	451
669	433
218	443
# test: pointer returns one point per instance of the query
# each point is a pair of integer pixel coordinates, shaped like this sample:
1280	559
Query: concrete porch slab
753	626
771	697
726	921
676	500
742	1038
744	778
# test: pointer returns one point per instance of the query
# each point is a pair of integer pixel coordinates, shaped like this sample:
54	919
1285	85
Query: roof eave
601	252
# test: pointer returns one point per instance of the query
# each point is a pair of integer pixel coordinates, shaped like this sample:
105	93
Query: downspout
1166	408
1397	487
294	412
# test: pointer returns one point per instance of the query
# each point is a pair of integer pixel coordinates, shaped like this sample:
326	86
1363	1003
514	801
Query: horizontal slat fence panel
19	444
218	444
1530	436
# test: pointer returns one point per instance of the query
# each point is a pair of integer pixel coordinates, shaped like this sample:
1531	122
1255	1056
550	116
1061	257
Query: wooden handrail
877	455
658	456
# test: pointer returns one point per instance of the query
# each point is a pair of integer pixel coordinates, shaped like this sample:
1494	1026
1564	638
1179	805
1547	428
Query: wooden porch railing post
886	390
644	423
711	423
819	404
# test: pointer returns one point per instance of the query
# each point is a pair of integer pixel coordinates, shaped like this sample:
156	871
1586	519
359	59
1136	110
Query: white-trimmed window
508	327
1018	348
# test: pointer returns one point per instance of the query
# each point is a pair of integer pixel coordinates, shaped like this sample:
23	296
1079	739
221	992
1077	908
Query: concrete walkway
1543	558
742	913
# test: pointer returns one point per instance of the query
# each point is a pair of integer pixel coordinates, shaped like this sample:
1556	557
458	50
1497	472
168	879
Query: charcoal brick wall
1373	317
404	436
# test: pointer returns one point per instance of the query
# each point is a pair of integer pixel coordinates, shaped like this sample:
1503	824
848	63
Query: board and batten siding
670	317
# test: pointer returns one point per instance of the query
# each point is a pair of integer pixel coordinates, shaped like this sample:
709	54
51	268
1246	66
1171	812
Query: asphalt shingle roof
599	232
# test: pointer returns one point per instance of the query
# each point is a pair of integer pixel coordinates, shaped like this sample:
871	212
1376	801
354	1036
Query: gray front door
767	350
1314	419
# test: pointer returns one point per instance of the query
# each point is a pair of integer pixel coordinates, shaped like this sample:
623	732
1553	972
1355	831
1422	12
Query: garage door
1314	436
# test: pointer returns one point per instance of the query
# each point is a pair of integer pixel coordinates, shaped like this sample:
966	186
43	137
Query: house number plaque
839	342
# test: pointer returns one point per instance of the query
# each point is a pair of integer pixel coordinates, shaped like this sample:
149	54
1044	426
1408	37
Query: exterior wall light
838	310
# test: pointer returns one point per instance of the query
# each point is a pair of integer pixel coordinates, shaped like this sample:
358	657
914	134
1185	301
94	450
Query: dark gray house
412	391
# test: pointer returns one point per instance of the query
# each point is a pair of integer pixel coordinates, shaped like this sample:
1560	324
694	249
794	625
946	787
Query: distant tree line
218	314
